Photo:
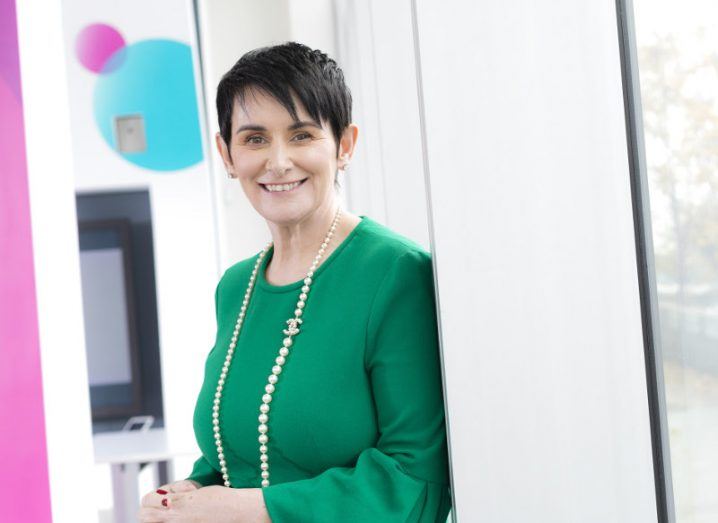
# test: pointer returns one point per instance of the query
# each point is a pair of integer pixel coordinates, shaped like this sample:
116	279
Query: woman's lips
264	187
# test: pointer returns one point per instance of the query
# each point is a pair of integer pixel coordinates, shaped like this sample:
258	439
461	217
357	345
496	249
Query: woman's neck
295	246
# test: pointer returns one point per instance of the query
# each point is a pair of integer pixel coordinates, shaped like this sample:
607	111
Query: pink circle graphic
95	44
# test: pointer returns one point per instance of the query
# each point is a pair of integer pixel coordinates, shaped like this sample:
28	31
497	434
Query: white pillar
535	258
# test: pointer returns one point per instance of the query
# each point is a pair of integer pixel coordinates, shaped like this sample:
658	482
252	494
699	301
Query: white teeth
283	187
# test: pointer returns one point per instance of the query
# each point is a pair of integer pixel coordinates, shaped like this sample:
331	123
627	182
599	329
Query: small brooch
293	329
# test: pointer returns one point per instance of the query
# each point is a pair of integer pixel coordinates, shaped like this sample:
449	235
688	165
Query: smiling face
270	151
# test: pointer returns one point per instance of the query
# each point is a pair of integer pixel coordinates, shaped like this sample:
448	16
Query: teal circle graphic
153	79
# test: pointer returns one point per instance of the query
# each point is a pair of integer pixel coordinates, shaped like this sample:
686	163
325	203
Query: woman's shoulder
239	272
385	247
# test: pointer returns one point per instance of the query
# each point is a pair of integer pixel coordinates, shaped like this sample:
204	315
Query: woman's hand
153	500
214	504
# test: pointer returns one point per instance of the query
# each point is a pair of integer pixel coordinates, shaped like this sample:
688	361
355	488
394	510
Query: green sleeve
205	474
405	477
202	471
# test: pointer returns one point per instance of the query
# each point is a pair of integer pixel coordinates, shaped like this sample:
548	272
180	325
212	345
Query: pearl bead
280	360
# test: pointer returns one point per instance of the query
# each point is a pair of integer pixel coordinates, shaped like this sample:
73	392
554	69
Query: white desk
124	451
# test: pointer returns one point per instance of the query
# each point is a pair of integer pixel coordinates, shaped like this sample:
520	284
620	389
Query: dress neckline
265	285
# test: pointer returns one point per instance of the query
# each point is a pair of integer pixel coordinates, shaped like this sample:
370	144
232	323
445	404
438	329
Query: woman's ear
347	144
224	153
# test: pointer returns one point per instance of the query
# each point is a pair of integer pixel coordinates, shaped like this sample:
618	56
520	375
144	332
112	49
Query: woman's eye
302	135
251	139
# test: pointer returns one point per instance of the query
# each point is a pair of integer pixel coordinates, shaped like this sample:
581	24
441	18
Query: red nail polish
164	502
160	491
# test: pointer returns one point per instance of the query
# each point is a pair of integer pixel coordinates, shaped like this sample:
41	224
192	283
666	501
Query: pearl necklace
280	360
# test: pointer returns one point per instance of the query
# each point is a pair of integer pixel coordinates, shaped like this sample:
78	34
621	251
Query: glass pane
678	67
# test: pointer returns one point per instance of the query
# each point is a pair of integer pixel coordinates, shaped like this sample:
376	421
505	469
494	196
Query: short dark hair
280	71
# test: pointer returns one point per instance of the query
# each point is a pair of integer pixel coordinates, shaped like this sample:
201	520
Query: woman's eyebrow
295	125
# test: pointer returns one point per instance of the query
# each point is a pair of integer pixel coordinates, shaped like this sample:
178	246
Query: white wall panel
533	243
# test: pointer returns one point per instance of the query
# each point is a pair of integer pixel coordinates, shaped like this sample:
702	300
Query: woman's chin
286	215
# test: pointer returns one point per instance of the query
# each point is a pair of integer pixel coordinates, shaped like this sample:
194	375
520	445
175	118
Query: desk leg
125	490
164	472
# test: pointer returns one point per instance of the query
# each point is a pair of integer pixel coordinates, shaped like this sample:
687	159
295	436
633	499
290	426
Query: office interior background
559	160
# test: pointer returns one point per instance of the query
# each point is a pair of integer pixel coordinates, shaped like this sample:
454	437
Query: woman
322	398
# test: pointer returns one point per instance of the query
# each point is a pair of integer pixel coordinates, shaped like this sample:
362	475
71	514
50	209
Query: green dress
356	423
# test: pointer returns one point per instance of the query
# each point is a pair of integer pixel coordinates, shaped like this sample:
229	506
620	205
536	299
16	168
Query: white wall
386	178
535	260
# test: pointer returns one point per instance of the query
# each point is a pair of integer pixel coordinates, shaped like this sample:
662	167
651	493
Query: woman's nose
279	159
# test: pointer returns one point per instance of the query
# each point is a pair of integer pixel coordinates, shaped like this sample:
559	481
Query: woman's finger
154	499
182	486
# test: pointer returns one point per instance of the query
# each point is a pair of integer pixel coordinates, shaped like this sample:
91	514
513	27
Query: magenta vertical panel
24	484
